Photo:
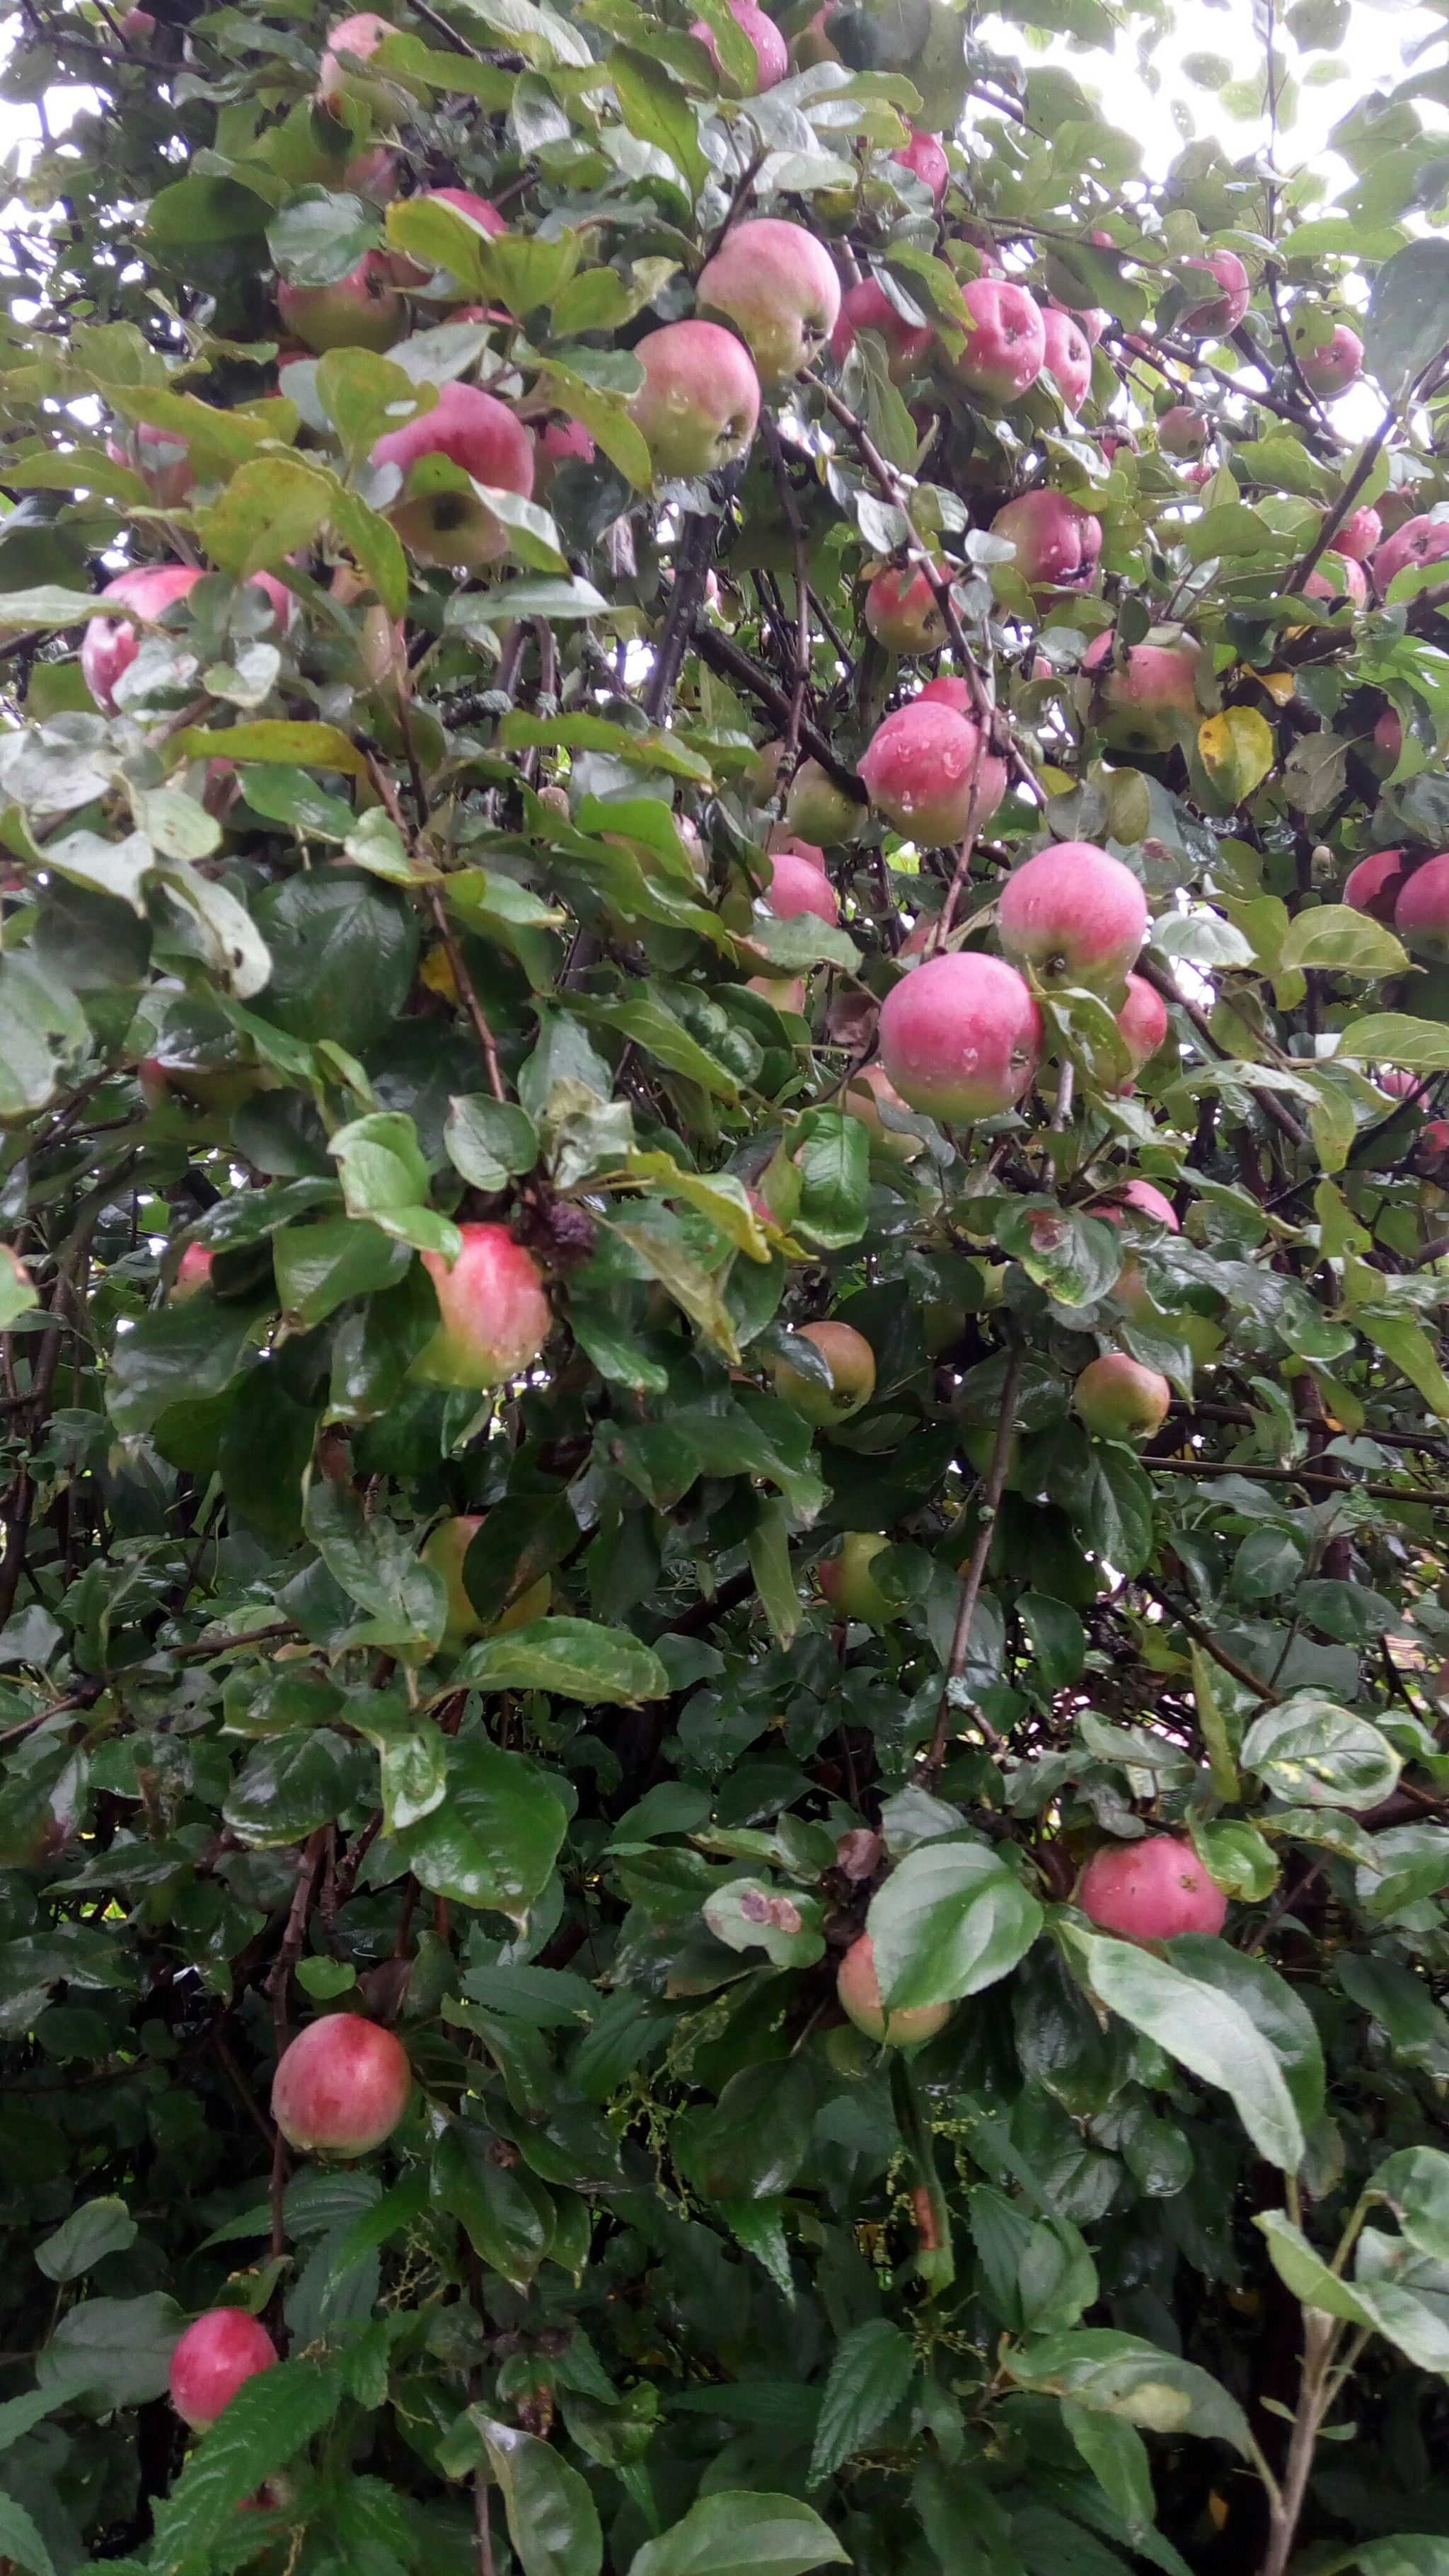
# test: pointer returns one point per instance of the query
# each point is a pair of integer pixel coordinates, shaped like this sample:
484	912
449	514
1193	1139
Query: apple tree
724	1005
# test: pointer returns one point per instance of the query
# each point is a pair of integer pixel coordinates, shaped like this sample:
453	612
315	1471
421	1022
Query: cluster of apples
340	2089
1410	897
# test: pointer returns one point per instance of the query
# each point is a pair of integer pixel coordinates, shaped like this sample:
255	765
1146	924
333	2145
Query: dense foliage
923	1437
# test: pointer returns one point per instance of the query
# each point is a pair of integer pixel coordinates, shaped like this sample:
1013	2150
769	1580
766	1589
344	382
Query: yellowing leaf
1236	750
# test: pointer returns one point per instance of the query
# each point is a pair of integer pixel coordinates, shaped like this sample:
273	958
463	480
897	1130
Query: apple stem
990	1503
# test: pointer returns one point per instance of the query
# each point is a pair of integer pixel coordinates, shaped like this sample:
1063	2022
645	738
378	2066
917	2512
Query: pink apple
700	399
1118	1399
1389	734
361	311
1328	369
1216	315
1143	1021
1005	350
359	36
1073	916
947	691
782	839
559	442
1376	884
772	55
479	210
341	2087
372	174
924	770
926	155
111	644
477	432
902	612
1057	542
495	1316
1181	431
797	885
858	1988
193	1273
960	1037
1424	540
1336	577
1068	355
1360	534
1151	1890
1144	1198
161	459
213	2357
138	26
1147	702
776	282
851	1362
1421	915
867	307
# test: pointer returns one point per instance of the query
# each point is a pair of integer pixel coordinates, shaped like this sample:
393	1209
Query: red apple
341	2087
1149	700
361	311
1376	884
1389	734
1216	315
1424	540
947	691
863	1097
193	1273
1057	542
480	434
772	54
560	441
783	839
138	26
1181	431
1421	915
372	174
479	210
110	644
924	769
797	885
902	612
1337	576
1068	355
858	1988
161	459
851	1362
1360	534
960	1037
1151	1890
214	2355
359	36
867	307
700	399
1073	916
1005	350
849	1586
926	155
1118	1399
1146	1200
1327	368
818	810
495	1316
776	282
1142	1021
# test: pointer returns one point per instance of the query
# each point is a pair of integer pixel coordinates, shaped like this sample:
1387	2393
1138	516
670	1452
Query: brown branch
971	1589
1272	1108
732	662
1204	1637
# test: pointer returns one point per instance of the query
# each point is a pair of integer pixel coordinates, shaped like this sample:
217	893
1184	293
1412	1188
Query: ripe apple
212	2358
862	1098
1337	576
960	1036
1057	542
798	885
1005	350
111	644
867	307
1146	1200
1376	884
851	1362
559	441
1118	1399
1360	534
477	432
1146	702
785	993
359	36
1068	355
1216	315
1424	540
858	1988
1181	431
1421	915
926	155
161	459
902	612
341	2087
700	399
923	768
1143	1021
193	1273
772	54
849	1586
1151	1890
1327	368
818	810
372	174
138	26
361	311
947	691
777	284
1072	915
495	1316
1389	734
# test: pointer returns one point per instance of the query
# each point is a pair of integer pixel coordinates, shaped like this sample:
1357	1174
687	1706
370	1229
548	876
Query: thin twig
986	1531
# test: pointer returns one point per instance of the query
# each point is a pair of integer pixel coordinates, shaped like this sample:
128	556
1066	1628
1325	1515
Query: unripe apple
926	155
858	1988
477	432
849	1586
444	1549
558	443
924	769
820	811
902	612
862	1098
772	55
1181	431
1142	1020
1337	576
1360	534
960	1037
1068	355
495	1316
1073	916
867	307
1424	540
1389	734
700	399
1216	315
851	1362
161	459
211	2360
361	311
812	45
798	885
1057	542
193	1273
1144	704
111	644
777	284
1421	915
341	2087
1376	884
1151	1890
1118	1399
1005	349
1327	368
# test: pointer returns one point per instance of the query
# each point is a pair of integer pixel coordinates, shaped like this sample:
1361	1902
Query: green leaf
1236	748
319	238
949	1921
871	2372
658	111
1206	2031
1408	316
319	1267
185	1351
495	1837
1415	2181
272	2417
1348	942
117	2350
289	1785
572	1657
97	2228
1119	2461
488	1139
1276	2011
271	509
1410	1349
20	2540
1311	1753
1235	1855
384	1177
1120	2374
1305	2273
504	2225
373	1560
553	2522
